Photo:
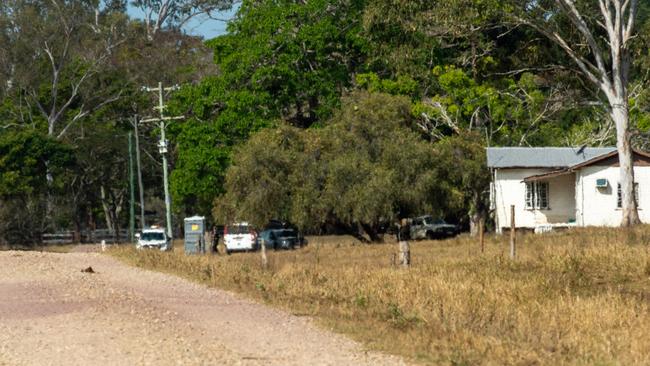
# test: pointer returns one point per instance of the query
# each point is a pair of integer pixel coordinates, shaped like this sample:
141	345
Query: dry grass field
580	297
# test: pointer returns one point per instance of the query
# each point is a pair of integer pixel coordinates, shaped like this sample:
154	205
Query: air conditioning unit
602	183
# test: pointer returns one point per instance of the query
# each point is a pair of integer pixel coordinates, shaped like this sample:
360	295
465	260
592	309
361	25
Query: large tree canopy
364	169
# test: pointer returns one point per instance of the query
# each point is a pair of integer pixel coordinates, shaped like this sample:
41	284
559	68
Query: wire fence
86	236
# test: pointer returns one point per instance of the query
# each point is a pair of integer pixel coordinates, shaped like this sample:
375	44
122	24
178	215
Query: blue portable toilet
194	234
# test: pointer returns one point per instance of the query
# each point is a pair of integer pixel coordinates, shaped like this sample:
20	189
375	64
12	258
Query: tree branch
627	33
578	21
82	113
585	66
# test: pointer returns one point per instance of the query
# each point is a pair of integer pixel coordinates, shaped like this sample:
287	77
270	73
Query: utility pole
139	169
132	191
162	147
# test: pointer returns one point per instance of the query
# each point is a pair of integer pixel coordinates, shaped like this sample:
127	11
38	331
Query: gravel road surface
52	313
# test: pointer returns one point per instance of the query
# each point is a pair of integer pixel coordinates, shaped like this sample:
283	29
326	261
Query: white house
551	186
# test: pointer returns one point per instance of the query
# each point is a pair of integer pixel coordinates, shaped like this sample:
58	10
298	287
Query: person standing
214	244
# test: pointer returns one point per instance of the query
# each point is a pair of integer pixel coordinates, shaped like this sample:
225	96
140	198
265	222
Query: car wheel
431	235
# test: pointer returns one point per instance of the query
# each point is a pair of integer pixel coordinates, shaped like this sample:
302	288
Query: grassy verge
580	297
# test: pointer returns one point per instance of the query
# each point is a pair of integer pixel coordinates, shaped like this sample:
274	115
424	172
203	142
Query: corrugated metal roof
541	157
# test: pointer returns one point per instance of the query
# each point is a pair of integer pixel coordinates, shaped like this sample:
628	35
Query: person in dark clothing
215	240
404	231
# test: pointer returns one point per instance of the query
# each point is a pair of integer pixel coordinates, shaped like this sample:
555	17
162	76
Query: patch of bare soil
53	313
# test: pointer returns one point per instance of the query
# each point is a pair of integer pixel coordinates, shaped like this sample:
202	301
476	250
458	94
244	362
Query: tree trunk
107	210
372	233
620	116
474	219
91	226
77	230
116	222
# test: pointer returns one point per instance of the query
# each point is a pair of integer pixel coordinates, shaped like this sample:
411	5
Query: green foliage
508	111
26	158
403	85
280	60
200	167
293	57
365	167
463	160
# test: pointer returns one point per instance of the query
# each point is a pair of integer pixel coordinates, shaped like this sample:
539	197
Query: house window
619	200
537	195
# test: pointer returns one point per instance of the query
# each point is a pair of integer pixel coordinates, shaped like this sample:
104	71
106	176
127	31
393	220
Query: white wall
597	206
510	190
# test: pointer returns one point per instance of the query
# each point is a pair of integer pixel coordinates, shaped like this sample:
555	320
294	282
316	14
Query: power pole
162	147
139	170
132	191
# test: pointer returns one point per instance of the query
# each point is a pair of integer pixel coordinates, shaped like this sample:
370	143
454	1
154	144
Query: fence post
481	234
513	245
403	232
404	254
265	261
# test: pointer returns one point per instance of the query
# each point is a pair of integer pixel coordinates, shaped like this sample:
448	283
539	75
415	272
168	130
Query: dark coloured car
275	224
279	239
425	227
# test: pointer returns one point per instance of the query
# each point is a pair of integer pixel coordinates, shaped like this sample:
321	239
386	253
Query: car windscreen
152	236
238	229
428	221
285	233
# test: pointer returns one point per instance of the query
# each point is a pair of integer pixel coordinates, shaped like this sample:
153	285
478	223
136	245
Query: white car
239	237
153	238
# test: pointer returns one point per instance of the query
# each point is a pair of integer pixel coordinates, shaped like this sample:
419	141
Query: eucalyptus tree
176	13
52	52
597	36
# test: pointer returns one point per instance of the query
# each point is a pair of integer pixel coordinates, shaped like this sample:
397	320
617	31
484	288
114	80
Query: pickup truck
425	227
153	238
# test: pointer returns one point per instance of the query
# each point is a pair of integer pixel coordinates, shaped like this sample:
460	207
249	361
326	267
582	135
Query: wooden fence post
513	245
265	261
404	254
481	234
403	232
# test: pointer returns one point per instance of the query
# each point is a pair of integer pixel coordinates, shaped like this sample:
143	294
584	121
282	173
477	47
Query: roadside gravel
52	313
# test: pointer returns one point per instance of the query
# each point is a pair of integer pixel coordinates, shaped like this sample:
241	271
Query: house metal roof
542	157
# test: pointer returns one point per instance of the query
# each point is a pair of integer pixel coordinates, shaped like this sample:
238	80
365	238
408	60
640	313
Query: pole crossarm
158	119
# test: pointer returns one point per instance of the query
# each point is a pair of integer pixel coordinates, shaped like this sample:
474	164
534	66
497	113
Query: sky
198	26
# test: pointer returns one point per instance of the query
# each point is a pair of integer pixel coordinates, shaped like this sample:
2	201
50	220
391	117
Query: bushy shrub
363	169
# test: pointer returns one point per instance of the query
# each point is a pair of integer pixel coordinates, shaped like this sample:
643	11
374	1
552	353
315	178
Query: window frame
619	196
537	195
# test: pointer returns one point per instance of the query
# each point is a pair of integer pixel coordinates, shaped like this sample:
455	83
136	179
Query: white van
239	237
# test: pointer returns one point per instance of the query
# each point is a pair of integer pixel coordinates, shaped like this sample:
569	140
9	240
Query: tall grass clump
577	297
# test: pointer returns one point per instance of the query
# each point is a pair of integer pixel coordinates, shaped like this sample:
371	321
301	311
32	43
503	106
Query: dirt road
51	313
